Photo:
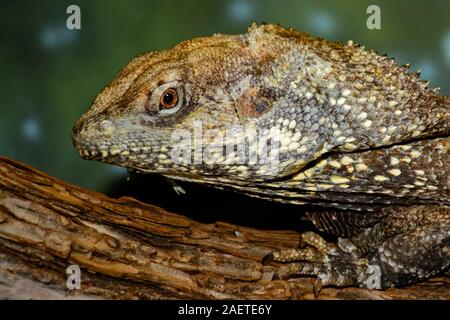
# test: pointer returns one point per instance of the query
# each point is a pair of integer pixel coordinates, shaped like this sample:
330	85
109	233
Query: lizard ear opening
251	104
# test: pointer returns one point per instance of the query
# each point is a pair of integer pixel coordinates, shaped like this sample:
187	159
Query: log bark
127	249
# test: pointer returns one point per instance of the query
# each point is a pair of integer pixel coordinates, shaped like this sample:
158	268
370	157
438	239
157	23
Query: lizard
281	115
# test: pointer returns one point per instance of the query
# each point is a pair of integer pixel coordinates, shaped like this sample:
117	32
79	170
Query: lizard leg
405	246
330	264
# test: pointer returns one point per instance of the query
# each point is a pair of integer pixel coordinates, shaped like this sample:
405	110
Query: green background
50	75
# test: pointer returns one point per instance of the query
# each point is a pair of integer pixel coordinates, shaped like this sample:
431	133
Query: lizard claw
331	265
267	259
317	287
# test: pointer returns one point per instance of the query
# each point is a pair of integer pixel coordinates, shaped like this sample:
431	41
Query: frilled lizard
281	115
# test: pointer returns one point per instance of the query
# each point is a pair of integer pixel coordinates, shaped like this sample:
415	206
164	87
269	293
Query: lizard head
148	118
257	106
182	111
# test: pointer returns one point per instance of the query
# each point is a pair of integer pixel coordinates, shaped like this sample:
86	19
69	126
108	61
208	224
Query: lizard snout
91	138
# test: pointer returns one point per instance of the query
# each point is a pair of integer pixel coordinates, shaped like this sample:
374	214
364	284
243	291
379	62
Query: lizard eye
168	99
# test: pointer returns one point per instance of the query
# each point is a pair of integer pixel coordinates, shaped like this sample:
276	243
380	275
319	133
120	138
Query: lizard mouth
98	146
104	143
109	152
106	154
90	151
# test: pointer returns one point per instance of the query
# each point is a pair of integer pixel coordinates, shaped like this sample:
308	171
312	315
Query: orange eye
168	99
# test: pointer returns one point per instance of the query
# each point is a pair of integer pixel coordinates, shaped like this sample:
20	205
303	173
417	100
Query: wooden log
127	249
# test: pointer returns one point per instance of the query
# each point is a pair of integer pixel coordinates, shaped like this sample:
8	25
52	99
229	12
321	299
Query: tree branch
127	249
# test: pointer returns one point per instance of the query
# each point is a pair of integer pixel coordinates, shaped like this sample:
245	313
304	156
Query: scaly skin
323	123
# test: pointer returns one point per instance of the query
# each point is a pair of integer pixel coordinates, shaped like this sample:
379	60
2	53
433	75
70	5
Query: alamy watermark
74	279
73	21
374	20
234	145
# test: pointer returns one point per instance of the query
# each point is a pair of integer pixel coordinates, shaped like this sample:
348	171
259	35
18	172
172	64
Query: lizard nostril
107	126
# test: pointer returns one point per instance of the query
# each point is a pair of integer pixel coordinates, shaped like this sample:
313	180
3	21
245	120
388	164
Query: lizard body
284	116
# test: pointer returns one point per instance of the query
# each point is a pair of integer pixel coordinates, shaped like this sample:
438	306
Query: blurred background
50	75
